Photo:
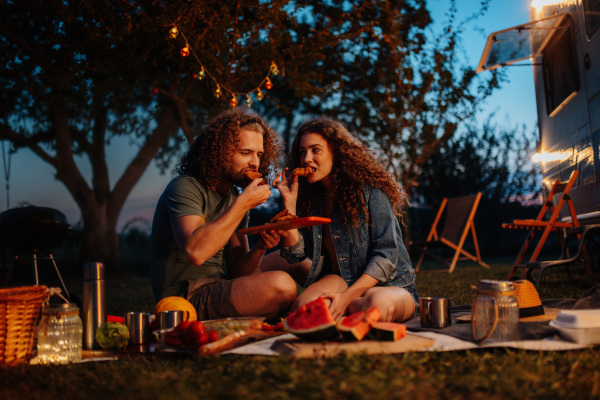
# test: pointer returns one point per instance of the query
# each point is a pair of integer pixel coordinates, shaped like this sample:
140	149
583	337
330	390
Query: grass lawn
487	373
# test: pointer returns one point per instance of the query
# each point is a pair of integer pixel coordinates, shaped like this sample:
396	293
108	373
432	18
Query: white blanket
442	343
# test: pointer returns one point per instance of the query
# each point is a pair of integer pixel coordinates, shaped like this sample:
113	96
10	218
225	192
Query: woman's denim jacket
374	247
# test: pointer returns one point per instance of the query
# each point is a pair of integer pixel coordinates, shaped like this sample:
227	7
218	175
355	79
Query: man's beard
237	179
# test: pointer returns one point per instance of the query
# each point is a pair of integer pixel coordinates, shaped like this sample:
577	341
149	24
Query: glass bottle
495	312
60	334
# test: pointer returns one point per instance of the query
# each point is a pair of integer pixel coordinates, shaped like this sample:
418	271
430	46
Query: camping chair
460	213
552	224
565	260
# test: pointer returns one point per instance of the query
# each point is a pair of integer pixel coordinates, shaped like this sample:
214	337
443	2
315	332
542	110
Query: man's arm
198	240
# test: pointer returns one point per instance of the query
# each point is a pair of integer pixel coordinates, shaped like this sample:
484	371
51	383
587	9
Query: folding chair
552	224
565	259
460	213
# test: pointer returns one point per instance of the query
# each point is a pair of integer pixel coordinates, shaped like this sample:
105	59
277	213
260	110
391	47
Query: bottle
94	303
59	334
495	312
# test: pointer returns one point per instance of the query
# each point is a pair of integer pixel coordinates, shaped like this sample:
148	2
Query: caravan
562	42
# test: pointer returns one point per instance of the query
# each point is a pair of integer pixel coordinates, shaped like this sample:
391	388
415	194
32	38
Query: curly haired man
195	250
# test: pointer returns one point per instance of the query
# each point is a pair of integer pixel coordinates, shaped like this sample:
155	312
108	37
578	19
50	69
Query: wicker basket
19	314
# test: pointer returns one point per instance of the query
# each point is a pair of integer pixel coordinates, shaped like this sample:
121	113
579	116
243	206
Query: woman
359	260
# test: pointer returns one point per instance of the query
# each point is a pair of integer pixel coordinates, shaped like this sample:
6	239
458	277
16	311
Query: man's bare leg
268	294
274	262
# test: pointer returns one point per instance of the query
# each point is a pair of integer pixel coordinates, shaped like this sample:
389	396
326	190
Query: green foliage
77	74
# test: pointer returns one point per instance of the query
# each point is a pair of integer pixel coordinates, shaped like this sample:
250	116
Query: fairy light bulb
248	100
233	101
259	95
173	32
218	91
185	51
201	74
274	68
268	84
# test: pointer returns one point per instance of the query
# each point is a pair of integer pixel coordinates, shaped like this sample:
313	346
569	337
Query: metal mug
435	312
170	319
138	324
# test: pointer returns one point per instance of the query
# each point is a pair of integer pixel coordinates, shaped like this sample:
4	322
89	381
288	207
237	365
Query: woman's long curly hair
353	166
209	156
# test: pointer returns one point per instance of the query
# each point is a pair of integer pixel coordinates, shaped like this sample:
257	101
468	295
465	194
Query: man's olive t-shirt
169	269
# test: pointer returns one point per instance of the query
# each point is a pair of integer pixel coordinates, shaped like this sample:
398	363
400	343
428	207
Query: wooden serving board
297	348
285	225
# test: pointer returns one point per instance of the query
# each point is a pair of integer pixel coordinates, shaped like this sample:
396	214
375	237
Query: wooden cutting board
297	348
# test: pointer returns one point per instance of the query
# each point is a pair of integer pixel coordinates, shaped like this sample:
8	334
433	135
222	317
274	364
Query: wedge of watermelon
387	331
357	325
312	321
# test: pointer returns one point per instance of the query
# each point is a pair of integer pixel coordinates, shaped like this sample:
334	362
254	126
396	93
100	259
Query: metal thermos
94	302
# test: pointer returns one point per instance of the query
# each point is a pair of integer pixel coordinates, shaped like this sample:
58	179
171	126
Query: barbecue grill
30	232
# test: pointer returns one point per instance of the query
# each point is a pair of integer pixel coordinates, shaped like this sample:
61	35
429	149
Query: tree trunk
99	242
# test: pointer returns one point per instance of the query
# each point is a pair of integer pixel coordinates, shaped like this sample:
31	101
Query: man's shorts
212	298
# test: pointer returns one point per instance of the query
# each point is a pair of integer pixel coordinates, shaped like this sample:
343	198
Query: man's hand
255	194
268	240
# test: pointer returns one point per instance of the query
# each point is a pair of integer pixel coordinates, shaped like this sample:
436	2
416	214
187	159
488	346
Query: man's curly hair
209	156
353	166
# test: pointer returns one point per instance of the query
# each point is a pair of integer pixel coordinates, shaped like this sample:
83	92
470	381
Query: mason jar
60	334
495	312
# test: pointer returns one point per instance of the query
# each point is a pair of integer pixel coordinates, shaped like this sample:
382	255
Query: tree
77	74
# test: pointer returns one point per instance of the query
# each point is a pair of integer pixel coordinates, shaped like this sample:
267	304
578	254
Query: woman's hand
288	187
339	303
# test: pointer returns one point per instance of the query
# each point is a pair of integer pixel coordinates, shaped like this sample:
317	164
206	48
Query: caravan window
591	9
561	77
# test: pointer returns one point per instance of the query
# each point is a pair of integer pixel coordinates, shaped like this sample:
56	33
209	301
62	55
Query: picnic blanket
533	330
535	335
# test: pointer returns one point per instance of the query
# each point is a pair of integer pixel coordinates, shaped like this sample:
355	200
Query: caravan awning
519	42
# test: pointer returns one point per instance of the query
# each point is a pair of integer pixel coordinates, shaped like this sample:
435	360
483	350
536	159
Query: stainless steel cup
170	319
138	324
435	312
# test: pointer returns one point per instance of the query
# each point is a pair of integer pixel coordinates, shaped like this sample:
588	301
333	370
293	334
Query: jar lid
496	286
61	307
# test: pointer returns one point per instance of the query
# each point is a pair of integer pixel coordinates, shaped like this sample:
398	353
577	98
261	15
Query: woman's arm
341	300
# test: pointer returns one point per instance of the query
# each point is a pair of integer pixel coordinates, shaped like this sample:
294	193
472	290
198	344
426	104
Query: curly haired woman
359	260
195	250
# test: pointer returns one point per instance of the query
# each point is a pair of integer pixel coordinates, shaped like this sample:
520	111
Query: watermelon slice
312	321
387	331
357	325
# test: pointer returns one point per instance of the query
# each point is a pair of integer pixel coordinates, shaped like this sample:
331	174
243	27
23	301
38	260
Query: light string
220	88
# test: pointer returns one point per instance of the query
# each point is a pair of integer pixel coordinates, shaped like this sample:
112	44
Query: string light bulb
268	84
274	68
174	32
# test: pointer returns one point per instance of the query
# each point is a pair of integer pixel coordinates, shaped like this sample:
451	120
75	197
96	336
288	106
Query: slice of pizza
284	215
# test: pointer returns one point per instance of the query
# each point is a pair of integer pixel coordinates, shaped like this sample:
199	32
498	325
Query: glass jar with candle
495	312
60	334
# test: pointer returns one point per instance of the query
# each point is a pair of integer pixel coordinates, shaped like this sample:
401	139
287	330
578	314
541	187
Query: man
195	250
